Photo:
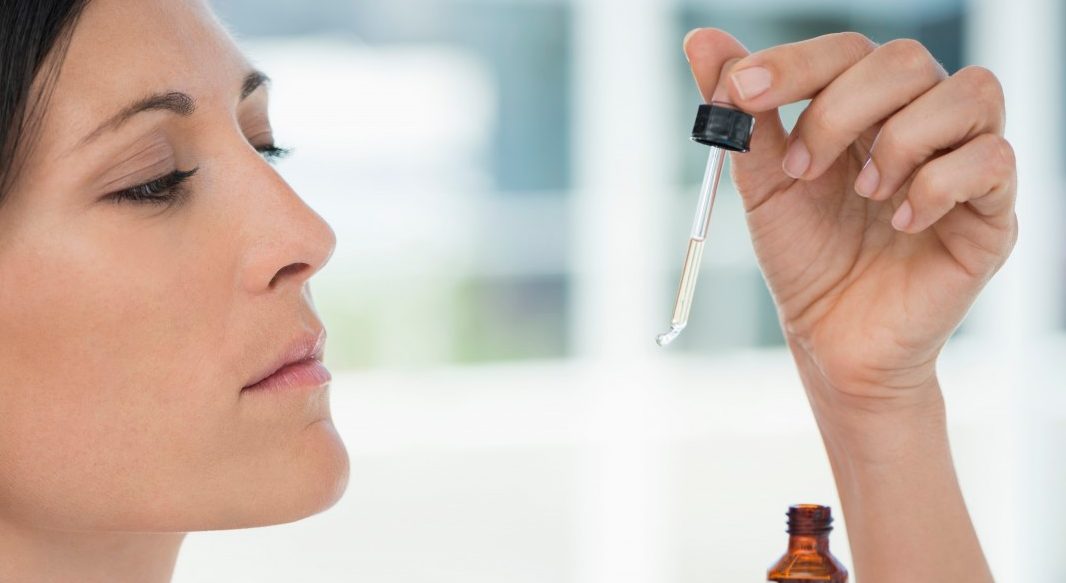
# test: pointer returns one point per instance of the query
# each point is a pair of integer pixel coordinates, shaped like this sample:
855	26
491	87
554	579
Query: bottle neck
809	543
808	528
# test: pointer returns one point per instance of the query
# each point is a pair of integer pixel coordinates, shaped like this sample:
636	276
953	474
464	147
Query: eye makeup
171	188
165	190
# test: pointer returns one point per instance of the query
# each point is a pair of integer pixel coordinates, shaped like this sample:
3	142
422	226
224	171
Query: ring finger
968	104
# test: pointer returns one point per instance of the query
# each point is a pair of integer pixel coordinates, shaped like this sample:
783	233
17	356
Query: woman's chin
332	468
306	480
317	481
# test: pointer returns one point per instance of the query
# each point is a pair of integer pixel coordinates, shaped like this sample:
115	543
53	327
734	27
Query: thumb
758	173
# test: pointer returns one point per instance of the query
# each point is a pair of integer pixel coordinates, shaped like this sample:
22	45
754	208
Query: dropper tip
667	337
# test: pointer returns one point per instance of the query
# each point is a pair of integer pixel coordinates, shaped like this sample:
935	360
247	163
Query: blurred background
511	184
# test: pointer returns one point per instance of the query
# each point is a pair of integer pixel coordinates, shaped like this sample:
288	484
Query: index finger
788	73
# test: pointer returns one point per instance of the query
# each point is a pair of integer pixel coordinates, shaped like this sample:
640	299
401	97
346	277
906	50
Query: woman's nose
290	243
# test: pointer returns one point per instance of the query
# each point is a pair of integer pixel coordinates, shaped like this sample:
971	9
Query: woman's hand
882	215
876	223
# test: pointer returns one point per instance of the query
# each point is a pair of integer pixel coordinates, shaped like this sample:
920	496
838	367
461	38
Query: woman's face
130	327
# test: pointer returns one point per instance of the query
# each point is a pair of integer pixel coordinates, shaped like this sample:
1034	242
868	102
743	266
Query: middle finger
873	89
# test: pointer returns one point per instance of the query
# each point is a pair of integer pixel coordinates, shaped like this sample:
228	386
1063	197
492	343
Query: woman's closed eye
166	189
170	188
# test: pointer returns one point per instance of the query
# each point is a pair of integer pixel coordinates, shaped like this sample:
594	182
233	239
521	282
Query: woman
162	351
154	272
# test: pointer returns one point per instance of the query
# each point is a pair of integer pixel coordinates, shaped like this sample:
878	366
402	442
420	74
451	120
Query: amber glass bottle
808	558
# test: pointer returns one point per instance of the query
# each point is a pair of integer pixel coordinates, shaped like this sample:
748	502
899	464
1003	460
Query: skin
130	329
873	270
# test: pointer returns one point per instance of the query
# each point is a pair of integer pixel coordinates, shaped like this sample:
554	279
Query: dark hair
34	36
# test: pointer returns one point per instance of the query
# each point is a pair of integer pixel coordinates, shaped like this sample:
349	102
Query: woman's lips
308	373
299	365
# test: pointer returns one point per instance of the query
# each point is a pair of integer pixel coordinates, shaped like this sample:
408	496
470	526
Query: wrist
856	376
883	369
874	422
902	434
881	431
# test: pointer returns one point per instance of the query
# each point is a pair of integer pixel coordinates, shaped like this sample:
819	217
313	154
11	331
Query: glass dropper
723	128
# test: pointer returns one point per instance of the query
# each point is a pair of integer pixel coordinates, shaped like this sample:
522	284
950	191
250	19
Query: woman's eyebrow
174	101
253	81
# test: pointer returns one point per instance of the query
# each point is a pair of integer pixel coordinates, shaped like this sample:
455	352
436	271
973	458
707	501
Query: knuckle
982	86
910	55
1006	244
981	81
855	44
890	140
822	119
933	186
800	62
1001	157
1010	241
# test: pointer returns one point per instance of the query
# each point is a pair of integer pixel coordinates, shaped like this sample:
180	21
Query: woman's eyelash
168	189
163	190
273	153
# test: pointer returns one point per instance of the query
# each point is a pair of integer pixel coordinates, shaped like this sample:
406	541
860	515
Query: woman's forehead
125	50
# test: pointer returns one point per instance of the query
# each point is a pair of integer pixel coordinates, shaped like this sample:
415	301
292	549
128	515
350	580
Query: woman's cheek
112	384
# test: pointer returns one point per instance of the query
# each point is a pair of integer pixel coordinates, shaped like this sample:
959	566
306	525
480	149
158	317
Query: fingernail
797	160
751	82
684	43
903	217
867	181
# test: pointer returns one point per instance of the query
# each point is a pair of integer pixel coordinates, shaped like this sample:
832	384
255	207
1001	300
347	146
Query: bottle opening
809	519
